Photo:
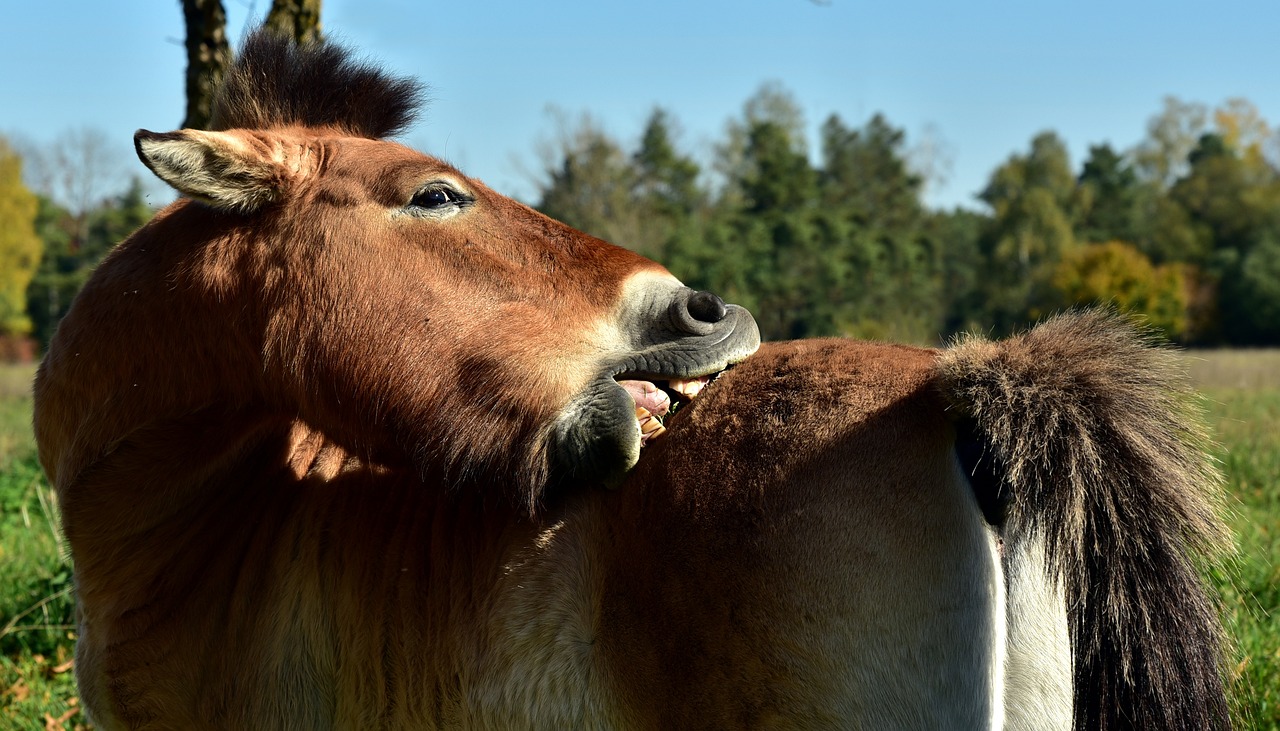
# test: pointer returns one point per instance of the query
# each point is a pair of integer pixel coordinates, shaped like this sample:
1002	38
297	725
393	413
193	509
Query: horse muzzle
675	340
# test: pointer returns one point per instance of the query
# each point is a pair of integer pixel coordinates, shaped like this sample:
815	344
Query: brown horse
328	438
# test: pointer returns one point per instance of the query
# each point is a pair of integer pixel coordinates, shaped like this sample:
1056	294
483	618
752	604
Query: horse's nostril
706	307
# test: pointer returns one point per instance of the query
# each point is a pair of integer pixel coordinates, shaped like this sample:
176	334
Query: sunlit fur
801	551
299	441
305	315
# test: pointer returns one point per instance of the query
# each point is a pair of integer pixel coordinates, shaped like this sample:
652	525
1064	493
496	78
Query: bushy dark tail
1097	442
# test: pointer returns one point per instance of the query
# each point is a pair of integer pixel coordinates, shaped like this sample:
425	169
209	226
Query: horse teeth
650	425
649	436
690	388
642	413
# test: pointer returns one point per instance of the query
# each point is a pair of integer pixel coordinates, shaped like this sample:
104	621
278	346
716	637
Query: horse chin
596	438
600	435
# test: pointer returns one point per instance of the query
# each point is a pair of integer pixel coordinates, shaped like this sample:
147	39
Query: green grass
1247	422
40	692
37	688
1242	397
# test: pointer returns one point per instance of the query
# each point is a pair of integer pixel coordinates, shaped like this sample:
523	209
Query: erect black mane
274	82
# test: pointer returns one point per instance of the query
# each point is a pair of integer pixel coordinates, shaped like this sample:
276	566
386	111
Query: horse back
802	551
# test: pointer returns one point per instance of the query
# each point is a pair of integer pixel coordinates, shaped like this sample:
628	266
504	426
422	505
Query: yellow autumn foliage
20	247
1116	273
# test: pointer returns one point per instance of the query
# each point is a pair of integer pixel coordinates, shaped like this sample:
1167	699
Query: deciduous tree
1229	198
1171	136
1118	274
19	246
1033	198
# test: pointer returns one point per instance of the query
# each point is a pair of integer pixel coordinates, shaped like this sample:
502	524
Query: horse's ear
224	169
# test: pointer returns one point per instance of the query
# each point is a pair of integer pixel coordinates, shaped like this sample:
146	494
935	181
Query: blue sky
983	77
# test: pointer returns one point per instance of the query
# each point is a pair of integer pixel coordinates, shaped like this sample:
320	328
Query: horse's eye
437	196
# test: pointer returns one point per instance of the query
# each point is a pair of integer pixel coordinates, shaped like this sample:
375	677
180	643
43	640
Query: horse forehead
382	163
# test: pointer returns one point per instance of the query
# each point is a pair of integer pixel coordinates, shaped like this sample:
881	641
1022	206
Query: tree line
835	239
48	248
1184	228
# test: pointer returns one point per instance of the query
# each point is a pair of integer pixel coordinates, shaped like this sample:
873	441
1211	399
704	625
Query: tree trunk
297	19
207	56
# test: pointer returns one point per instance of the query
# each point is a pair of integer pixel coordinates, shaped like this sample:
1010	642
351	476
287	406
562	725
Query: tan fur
306	320
297	431
748	574
799	552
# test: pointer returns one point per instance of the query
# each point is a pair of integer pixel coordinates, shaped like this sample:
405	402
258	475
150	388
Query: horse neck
158	334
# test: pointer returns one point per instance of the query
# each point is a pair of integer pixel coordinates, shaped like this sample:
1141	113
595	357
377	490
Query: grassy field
1242	390
37	690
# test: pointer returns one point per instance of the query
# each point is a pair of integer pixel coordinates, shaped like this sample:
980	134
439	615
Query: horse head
322	272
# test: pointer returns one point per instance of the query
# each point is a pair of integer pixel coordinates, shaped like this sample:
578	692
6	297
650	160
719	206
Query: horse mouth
657	400
600	432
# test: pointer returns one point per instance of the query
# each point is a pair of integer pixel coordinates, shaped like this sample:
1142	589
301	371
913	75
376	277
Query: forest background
820	223
831	238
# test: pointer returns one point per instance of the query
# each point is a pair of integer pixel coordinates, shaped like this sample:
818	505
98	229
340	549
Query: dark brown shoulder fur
274	82
1099	444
